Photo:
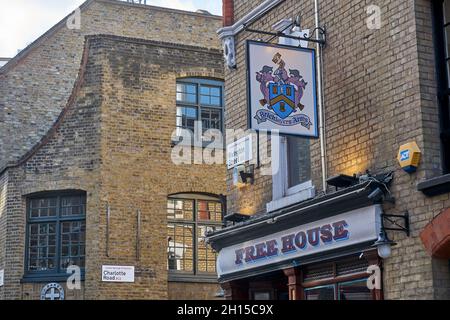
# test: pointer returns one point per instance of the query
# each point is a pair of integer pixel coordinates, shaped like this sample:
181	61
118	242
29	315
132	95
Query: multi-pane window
189	221
199	100
56	233
441	10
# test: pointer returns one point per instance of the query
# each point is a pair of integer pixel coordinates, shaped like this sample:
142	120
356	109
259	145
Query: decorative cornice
257	12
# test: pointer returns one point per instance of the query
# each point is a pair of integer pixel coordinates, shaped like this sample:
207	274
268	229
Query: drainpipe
320	100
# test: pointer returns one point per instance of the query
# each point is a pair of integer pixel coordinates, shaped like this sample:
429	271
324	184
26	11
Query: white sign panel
2	278
353	227
239	152
282	89
117	273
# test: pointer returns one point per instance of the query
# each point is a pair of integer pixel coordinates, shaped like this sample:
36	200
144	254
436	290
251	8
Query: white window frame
282	194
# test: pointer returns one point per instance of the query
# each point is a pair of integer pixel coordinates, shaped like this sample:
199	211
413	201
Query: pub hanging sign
282	89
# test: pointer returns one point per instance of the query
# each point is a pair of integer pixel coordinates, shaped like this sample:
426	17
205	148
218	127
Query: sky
23	21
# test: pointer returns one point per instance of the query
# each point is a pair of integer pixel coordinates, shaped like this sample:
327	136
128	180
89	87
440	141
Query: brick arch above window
436	236
211	74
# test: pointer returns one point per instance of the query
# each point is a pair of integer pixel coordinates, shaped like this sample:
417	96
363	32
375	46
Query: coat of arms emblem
282	91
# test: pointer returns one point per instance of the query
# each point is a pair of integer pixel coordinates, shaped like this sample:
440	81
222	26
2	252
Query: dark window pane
320	293
74	205
446	10
186	117
447	41
72	242
41	244
356	290
40	208
299	161
211	119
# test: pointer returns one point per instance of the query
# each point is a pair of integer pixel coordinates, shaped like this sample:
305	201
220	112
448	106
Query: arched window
199	100
56	231
190	218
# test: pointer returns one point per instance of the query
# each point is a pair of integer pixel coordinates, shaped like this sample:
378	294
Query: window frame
195	275
202	82
58	273
442	57
283	194
335	280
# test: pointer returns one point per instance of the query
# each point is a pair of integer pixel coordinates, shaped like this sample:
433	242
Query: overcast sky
23	21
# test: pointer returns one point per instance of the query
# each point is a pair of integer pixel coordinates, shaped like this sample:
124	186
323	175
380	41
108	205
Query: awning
332	225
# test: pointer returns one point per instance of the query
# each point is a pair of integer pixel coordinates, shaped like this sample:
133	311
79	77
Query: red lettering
288	243
340	233
272	249
239	256
313	236
326	234
249	254
260	251
300	240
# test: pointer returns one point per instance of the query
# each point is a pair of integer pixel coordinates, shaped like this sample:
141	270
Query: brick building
384	84
89	125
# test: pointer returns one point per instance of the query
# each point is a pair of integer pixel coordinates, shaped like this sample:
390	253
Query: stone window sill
435	186
38	278
302	195
180	277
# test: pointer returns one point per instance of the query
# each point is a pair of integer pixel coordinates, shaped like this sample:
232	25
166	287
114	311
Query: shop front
320	249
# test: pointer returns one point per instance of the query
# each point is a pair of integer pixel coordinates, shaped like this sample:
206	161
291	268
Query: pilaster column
235	290
294	283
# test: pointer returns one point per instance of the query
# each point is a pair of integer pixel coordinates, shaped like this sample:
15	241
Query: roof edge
147	6
14	61
28	49
70	102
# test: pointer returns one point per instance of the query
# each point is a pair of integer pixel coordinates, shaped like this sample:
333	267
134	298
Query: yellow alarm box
409	156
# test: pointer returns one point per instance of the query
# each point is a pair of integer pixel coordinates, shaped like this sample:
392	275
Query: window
344	279
298	161
56	230
291	181
199	100
441	9
190	218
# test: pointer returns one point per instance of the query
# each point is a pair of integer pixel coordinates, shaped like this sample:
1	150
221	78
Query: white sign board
239	152
282	89
2	277
117	273
350	228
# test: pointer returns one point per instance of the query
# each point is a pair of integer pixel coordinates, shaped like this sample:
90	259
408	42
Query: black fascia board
321	207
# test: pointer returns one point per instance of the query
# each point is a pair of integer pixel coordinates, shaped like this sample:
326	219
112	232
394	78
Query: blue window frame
56	231
199	100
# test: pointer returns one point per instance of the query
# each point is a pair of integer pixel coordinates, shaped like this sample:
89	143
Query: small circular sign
52	291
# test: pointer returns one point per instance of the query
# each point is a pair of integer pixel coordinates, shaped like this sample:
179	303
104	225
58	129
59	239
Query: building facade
93	204
310	230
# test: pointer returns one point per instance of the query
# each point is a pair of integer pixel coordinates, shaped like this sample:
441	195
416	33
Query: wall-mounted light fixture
247	175
383	243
